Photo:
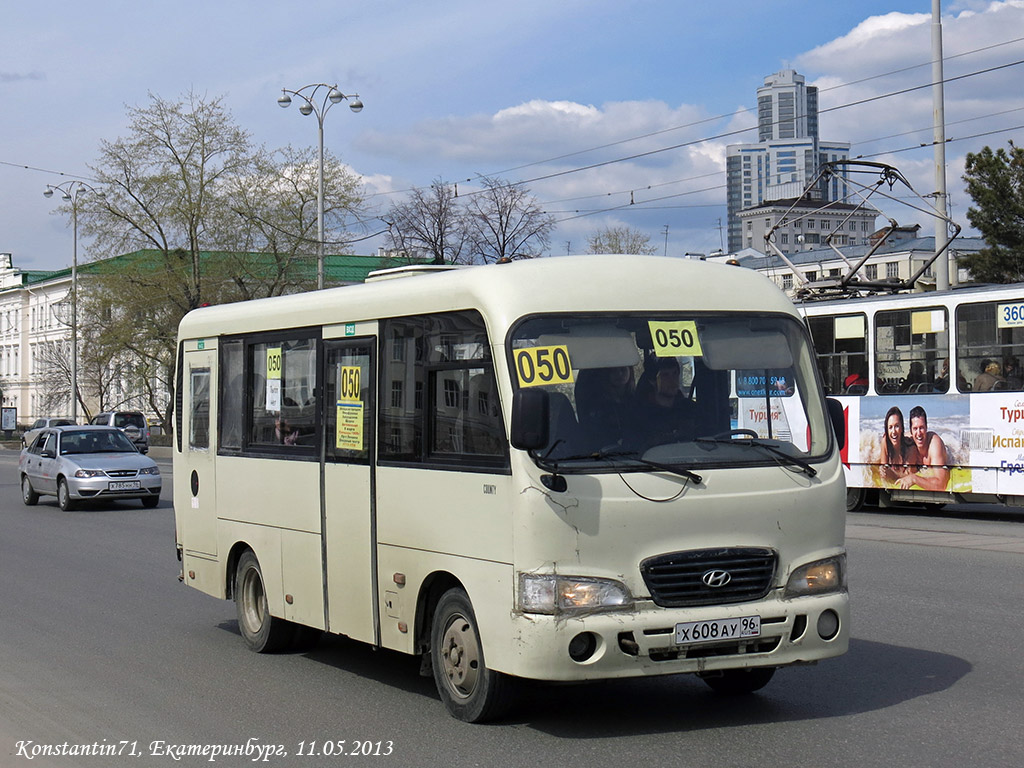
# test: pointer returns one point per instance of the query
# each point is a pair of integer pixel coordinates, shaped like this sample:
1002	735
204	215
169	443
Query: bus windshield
687	389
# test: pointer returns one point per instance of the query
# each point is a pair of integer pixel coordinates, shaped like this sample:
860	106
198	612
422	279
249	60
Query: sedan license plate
124	485
717	629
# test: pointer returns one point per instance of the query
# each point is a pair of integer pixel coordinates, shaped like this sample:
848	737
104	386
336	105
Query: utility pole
939	115
666	240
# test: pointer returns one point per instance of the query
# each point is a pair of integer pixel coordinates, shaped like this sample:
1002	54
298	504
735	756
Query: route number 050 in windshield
539	366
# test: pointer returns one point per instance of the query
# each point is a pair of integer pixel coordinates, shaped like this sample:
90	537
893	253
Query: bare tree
430	224
186	194
507	222
620	240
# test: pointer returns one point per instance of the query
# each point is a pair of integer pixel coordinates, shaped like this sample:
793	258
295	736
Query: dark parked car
132	423
82	463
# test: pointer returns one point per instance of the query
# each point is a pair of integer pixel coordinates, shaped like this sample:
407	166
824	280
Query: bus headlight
555	594
817	578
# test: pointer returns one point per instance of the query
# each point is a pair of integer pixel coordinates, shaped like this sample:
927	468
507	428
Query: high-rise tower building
786	156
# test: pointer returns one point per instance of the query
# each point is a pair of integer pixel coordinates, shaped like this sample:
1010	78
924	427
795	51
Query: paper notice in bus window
927	321
273	395
349	432
538	366
675	339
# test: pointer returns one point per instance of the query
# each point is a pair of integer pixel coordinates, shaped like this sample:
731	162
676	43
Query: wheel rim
460	656
62	494
254	603
26	489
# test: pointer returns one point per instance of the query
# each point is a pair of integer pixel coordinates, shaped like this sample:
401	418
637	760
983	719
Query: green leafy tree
620	240
995	182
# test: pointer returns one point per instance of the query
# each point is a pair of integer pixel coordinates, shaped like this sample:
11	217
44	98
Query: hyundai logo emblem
716	578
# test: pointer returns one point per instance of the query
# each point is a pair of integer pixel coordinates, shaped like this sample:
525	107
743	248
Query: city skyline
534	94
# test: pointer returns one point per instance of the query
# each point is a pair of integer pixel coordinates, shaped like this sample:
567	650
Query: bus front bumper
656	641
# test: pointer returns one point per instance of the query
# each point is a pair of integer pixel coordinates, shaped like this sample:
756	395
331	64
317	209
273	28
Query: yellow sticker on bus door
677	338
540	366
349	431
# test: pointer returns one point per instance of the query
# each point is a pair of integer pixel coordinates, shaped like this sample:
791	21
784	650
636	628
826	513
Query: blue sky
453	89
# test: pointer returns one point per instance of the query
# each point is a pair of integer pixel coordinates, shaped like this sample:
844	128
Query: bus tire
855	499
734	682
470	691
28	493
262	632
64	496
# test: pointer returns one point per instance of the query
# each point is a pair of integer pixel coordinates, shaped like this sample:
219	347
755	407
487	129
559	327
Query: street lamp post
309	105
70	192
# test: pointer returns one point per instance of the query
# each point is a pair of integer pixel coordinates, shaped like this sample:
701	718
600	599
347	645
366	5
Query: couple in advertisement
919	460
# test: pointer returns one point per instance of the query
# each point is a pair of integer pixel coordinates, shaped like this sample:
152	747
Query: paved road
99	644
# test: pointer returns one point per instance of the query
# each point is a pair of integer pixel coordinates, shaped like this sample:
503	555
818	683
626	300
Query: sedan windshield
98	441
679	390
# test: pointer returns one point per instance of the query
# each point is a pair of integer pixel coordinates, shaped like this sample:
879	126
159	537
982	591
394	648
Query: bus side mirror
530	415
835	413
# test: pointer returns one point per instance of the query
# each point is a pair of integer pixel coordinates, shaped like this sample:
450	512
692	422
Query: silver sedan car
87	463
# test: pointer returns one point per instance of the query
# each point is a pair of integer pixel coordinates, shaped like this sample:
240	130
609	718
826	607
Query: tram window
911	346
990	344
840	344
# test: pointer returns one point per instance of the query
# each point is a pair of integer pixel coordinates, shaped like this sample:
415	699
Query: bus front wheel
470	691
262	632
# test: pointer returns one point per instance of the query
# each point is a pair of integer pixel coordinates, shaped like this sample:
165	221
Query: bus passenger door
348	472
195	491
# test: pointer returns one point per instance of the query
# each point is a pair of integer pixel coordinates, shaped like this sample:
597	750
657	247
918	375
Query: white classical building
35	327
34	310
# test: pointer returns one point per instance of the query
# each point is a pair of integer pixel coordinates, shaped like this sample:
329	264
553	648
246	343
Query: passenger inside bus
604	403
664	414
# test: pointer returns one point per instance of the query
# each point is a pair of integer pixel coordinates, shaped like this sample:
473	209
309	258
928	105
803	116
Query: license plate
717	629
124	485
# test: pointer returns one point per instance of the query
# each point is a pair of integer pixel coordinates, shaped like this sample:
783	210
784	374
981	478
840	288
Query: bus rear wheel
740	681
470	691
262	632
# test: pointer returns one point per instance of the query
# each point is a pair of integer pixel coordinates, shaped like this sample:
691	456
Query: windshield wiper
745	439
631	455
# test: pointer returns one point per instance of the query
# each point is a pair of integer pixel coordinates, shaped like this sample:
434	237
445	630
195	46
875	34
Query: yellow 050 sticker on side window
537	366
675	339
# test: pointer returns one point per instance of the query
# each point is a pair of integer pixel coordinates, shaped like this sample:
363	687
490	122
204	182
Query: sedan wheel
64	496
28	493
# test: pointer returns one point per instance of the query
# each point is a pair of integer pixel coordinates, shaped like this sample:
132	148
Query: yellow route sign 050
675	338
539	366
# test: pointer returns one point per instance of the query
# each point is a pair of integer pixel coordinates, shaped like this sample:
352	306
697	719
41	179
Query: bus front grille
709	576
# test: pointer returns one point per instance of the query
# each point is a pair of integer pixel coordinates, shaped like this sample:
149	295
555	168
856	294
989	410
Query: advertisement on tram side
952	443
